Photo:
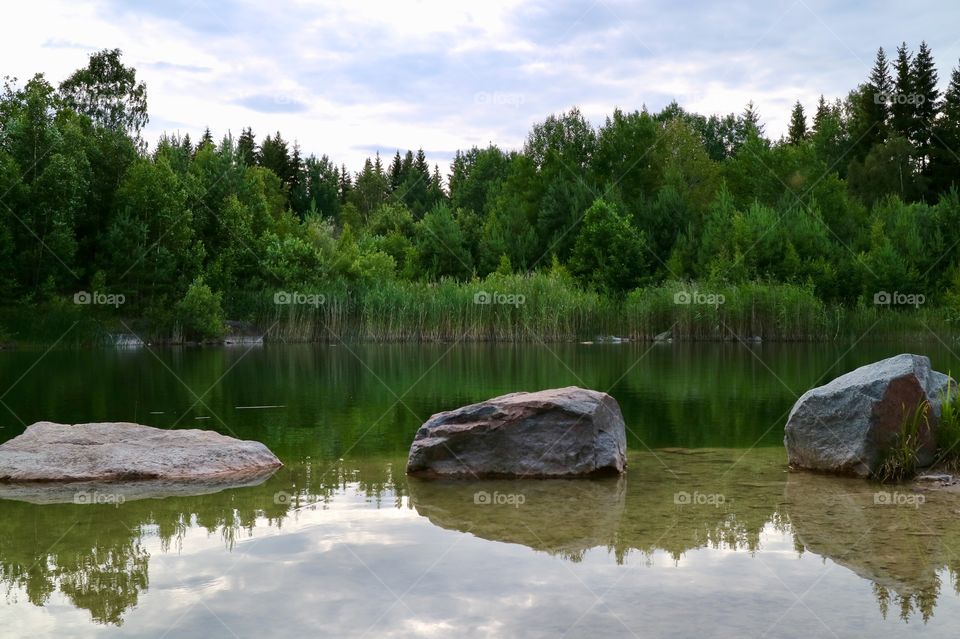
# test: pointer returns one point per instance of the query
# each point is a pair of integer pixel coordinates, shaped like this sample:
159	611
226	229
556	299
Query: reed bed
551	308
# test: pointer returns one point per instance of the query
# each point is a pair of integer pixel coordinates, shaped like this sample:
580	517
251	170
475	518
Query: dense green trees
860	197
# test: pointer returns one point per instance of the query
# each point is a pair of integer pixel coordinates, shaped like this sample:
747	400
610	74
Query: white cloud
341	78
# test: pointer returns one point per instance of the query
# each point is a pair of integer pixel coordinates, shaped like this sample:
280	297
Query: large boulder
846	426
49	452
563	432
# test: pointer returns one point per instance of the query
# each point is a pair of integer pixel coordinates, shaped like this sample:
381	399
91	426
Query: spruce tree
925	95
880	93
299	195
944	169
205	140
750	121
823	111
247	147
798	125
346	184
275	156
396	170
421	166
902	107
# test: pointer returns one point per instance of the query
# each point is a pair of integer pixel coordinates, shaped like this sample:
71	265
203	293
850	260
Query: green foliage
200	312
440	246
948	428
609	253
900	458
108	93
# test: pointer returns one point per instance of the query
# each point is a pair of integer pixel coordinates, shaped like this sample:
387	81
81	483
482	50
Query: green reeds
551	307
900	459
948	430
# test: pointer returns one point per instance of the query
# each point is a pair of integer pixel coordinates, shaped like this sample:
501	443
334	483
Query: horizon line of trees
861	199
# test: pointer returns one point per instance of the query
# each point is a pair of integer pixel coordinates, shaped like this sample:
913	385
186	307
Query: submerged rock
846	426
561	432
49	452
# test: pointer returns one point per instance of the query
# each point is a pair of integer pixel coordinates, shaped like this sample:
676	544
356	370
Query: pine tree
798	125
901	108
925	95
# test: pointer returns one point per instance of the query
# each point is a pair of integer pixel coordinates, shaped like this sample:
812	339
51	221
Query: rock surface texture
563	432
108	451
845	426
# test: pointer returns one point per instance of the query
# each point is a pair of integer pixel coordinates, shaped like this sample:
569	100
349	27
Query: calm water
340	543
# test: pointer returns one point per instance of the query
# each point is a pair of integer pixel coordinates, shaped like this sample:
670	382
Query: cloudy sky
349	78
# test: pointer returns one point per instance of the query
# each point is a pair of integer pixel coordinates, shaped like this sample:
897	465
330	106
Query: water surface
706	535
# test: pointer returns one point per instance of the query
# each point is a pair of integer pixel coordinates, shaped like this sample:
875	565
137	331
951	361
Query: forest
623	226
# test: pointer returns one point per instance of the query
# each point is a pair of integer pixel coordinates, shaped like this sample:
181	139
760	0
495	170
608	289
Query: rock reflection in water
564	517
896	537
674	500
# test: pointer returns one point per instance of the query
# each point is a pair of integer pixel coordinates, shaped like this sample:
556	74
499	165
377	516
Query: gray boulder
563	432
49	452
845	426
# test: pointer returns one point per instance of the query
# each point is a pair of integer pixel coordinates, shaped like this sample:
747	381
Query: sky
347	79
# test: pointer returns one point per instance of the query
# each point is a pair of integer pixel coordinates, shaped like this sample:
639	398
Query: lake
706	535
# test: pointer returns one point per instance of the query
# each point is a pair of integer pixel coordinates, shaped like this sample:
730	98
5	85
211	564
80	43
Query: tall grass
948	430
901	458
729	312
551	307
